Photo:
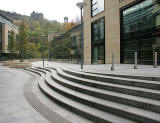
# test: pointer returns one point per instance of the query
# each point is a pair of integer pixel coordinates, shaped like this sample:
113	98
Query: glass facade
0	37
97	6
140	32
98	41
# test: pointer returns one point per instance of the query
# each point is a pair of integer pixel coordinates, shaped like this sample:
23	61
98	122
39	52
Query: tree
70	25
77	20
22	40
12	43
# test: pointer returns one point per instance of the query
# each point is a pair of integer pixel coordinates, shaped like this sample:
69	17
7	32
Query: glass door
95	54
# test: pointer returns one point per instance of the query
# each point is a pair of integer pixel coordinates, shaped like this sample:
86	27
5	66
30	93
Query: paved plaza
16	86
123	69
22	102
14	108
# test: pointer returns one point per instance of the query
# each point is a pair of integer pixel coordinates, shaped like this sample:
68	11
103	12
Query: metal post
112	68
43	57
155	60
82	55
48	47
135	65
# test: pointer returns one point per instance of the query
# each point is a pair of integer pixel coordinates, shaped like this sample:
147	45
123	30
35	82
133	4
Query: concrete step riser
66	106
111	109
39	70
115	89
129	76
75	110
33	71
126	101
116	81
103	107
48	70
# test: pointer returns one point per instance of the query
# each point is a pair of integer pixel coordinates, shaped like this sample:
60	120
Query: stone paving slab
14	108
123	69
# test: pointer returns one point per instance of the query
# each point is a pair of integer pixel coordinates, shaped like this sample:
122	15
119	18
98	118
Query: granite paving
123	69
14	108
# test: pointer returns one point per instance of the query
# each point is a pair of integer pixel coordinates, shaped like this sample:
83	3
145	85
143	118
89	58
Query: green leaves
22	40
11	42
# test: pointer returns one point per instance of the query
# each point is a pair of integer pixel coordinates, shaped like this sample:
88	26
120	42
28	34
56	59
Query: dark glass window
140	32
0	37
9	36
98	42
97	6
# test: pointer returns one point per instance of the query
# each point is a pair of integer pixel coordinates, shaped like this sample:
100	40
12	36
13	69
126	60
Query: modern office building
6	25
121	27
66	46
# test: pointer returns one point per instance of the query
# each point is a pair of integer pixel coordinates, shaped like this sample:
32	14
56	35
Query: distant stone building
6	25
65	19
53	35
37	16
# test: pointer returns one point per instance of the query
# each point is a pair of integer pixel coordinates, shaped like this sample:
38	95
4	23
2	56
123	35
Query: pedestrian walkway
14	108
123	69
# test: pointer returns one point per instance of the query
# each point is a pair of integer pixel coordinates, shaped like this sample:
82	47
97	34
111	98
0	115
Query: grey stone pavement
17	107
123	69
14	108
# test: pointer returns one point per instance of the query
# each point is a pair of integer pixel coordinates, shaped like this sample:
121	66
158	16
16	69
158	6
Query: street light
48	42
48	46
43	50
81	5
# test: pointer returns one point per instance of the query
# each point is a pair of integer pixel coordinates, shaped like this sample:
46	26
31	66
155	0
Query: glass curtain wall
98	42
0	37
141	32
97	6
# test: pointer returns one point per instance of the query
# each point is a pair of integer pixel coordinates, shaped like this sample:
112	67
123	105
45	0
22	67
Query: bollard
155	60
112	68
135	62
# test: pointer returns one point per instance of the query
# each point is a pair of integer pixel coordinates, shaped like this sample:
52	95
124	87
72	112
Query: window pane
141	30
97	6
98	41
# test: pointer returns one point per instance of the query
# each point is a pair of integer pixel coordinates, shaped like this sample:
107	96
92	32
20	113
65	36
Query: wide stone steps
93	114
122	105
116	80
136	91
140	102
150	78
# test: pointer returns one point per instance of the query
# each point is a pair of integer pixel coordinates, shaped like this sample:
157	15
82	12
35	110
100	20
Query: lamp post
81	5
48	46
48	43
43	55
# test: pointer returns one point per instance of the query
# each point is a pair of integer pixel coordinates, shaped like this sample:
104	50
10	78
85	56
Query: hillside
13	15
37	29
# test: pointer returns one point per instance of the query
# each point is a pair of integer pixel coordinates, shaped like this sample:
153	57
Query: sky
51	9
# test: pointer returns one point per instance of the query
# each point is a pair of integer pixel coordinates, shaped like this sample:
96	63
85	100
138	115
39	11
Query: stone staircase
102	98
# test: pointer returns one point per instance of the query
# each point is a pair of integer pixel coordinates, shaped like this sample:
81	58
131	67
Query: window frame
100	43
96	9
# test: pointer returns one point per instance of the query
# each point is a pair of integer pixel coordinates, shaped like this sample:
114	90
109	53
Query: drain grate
38	105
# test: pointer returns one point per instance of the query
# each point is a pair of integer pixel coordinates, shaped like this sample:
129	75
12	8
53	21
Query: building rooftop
6	17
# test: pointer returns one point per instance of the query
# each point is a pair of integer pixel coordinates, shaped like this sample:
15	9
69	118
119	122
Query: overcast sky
52	9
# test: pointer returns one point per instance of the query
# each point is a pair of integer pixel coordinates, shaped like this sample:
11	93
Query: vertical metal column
48	47
82	54
112	68
135	65
155	60
43	57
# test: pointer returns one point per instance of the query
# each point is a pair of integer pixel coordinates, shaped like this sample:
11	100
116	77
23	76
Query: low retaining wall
21	65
